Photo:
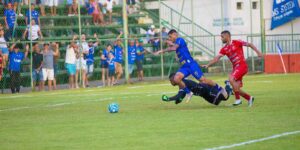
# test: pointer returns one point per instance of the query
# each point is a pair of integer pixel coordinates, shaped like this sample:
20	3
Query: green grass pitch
78	119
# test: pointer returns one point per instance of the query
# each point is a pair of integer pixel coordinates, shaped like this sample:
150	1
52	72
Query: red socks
246	96
237	95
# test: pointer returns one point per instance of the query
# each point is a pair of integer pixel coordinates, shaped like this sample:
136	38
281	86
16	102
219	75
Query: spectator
72	7
14	3
118	52
1	65
15	60
130	8
90	58
109	7
131	57
156	42
55	66
35	32
3	48
139	59
111	69
37	62
70	63
48	57
35	15
97	14
52	4
80	61
104	64
150	33
164	34
9	19
41	4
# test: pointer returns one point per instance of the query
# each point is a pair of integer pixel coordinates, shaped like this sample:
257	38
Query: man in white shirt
70	63
35	32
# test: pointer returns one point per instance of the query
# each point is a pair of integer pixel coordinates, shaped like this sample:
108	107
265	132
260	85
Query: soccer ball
113	107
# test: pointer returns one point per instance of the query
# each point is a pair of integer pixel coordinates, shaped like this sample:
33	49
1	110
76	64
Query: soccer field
78	119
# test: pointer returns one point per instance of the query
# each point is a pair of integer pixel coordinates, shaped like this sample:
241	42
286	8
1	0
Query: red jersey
234	51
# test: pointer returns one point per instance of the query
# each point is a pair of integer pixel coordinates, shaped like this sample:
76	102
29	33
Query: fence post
80	44
125	28
161	46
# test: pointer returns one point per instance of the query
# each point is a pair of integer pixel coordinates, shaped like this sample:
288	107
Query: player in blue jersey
210	94
188	65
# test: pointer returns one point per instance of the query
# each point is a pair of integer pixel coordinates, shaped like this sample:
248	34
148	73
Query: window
254	5
239	5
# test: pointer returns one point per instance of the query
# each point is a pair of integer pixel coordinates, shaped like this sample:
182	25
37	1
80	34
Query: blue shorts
71	69
191	68
37	76
4	50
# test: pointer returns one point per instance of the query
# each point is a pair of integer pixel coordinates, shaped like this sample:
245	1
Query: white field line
142	86
254	141
69	103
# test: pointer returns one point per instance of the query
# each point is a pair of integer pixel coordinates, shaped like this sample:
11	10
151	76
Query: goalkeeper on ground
210	94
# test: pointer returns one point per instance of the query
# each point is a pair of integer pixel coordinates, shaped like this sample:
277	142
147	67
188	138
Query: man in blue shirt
15	60
104	63
131	57
139	59
118	53
188	65
34	15
9	19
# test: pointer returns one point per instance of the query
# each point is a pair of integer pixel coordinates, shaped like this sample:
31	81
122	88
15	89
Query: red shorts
239	72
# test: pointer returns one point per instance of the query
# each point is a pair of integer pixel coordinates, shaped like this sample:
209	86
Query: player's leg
236	89
180	74
235	80
248	97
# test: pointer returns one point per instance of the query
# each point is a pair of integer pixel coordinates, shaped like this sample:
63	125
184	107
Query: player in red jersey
233	49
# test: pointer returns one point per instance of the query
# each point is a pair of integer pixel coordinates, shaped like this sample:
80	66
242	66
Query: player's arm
56	51
40	33
25	32
169	49
216	59
6	24
259	54
97	40
26	51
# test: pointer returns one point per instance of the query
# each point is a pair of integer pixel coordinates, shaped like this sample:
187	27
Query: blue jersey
10	15
111	64
90	56
34	15
131	54
183	52
105	54
118	54
15	60
140	49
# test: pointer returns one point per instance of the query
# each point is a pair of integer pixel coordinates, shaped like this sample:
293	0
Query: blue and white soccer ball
113	107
